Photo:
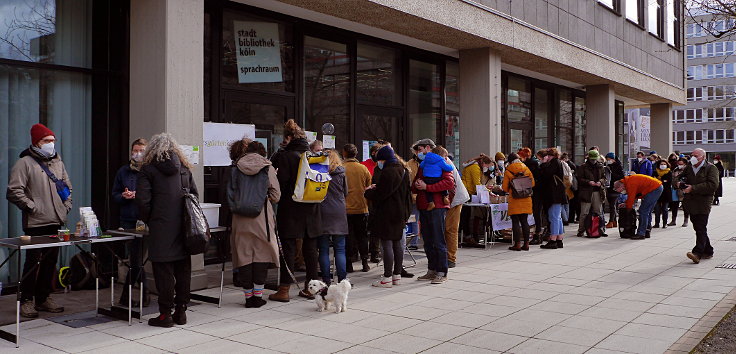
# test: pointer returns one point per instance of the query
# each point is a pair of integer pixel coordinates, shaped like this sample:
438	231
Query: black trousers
675	207
702	242
309	252
254	273
466	227
574	208
520	227
393	257
537	210
136	254
38	283
173	282
357	240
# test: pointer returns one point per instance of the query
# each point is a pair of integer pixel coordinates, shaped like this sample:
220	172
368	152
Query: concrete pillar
480	102
166	71
661	128
600	117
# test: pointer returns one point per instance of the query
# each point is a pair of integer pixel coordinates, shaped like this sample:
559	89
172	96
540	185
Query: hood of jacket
299	144
252	163
432	158
169	166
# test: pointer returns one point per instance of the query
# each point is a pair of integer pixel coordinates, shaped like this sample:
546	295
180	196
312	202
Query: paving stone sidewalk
594	296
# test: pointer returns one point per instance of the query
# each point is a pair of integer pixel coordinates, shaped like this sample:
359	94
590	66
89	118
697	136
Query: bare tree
718	10
32	18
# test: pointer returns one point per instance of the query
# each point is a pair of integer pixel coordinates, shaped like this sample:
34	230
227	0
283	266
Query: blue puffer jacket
125	178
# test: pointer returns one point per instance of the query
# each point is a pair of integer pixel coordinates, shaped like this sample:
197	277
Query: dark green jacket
705	183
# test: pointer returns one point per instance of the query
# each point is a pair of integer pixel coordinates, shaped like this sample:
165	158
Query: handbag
312	179
196	229
61	188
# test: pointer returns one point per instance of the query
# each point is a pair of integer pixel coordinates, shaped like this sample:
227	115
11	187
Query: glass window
580	149
63	102
378	79
327	87
673	22
634	10
281	61
424	100
655	17
565	135
519	100
541	118
452	111
45	31
611	4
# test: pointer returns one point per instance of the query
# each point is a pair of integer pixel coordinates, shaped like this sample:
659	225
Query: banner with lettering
218	137
258	51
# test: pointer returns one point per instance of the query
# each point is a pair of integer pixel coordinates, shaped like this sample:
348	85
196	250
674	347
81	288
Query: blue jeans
414	228
645	210
338	242
554	215
433	232
565	212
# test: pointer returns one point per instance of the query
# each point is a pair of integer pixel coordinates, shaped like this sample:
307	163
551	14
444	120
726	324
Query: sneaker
429	276
163	320
50	306
450	264
396	279
384	282
693	257
28	310
255	302
439	279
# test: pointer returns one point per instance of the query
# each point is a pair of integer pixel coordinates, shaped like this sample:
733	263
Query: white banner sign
218	137
500	218
258	51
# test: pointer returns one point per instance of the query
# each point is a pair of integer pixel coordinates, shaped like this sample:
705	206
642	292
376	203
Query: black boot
163	320
551	245
366	267
349	266
559	244
536	240
180	315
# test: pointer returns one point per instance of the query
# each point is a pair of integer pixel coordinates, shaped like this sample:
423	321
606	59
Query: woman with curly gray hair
159	195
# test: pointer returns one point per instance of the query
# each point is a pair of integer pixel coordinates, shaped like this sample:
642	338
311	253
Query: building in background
709	119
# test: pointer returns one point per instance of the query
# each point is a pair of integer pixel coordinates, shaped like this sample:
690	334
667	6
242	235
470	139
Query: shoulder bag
196	228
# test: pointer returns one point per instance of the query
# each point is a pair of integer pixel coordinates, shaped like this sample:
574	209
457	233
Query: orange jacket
638	186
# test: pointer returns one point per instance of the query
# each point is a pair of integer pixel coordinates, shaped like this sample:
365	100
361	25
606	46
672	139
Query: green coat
704	184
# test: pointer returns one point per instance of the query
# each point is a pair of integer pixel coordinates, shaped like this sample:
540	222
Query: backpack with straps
246	193
521	186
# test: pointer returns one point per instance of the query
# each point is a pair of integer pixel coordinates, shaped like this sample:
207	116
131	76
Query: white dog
336	294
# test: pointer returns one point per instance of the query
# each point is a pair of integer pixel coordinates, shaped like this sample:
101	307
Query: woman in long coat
519	208
553	196
159	196
390	198
253	243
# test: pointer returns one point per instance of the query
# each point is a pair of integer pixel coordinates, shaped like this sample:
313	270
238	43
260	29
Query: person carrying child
433	165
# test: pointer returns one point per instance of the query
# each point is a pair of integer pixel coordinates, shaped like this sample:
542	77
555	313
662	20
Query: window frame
615	6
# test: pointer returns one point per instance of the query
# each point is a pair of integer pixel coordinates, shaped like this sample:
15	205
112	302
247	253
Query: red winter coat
446	184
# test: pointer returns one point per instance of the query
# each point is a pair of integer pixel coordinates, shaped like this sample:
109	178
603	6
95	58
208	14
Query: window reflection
519	99
541	118
327	87
564	131
424	100
579	129
377	75
452	111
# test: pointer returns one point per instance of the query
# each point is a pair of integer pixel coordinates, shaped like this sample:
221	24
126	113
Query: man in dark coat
701	182
591	191
159	195
294	220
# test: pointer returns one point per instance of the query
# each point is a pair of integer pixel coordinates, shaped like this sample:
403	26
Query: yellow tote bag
313	178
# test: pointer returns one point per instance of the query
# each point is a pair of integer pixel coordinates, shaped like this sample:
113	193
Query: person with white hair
699	183
164	174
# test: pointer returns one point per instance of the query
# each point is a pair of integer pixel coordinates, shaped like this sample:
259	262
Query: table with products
19	244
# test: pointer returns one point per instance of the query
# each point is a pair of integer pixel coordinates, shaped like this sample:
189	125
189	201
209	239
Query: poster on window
644	132
218	137
258	51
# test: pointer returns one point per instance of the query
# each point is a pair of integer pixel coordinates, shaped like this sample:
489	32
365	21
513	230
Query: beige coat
248	240
33	192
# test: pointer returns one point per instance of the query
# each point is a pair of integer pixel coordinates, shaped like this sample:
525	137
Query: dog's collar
323	292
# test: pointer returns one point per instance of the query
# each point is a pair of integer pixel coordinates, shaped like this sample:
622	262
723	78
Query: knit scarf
135	166
661	173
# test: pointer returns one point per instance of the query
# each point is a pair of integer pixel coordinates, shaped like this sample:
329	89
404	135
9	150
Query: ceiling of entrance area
379	18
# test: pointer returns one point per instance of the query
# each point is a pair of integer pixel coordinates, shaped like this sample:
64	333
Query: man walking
39	186
591	190
699	185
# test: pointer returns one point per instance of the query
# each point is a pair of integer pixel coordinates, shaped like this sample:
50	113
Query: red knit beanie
38	132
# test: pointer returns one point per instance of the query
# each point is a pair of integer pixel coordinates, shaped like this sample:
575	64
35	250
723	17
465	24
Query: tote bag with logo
312	179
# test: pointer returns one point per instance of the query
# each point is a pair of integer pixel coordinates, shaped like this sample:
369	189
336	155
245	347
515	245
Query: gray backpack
246	195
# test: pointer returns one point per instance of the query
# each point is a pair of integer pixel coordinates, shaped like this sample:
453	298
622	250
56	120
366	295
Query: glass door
374	124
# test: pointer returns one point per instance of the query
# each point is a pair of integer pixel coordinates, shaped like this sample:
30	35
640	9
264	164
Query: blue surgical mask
421	156
380	164
491	168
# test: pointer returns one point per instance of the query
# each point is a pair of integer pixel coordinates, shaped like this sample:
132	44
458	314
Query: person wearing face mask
591	191
719	192
500	159
45	205
553	196
123	193
677	194
699	186
617	173
664	175
641	165
476	172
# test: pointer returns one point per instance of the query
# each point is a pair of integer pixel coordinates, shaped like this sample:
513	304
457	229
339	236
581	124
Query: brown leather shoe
282	295
610	225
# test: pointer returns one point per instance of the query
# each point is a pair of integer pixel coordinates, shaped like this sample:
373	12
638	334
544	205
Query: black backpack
246	195
84	271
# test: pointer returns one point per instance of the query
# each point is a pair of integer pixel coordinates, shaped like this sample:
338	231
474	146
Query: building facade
709	118
476	76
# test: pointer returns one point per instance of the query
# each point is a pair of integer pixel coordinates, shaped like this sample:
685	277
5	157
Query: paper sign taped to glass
217	138
258	51
500	218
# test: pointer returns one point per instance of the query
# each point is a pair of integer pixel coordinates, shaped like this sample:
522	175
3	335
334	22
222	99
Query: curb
704	326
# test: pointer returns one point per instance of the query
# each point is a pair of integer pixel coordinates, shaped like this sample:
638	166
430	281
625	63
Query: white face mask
662	167
485	169
681	166
137	156
694	160
48	149
641	159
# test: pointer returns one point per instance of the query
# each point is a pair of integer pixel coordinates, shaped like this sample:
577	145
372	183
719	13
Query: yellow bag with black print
313	178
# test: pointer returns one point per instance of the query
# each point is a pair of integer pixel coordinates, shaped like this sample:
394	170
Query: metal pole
112	291
130	303
97	296
140	303
222	284
17	301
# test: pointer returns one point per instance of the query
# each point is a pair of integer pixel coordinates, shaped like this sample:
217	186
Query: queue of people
364	214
